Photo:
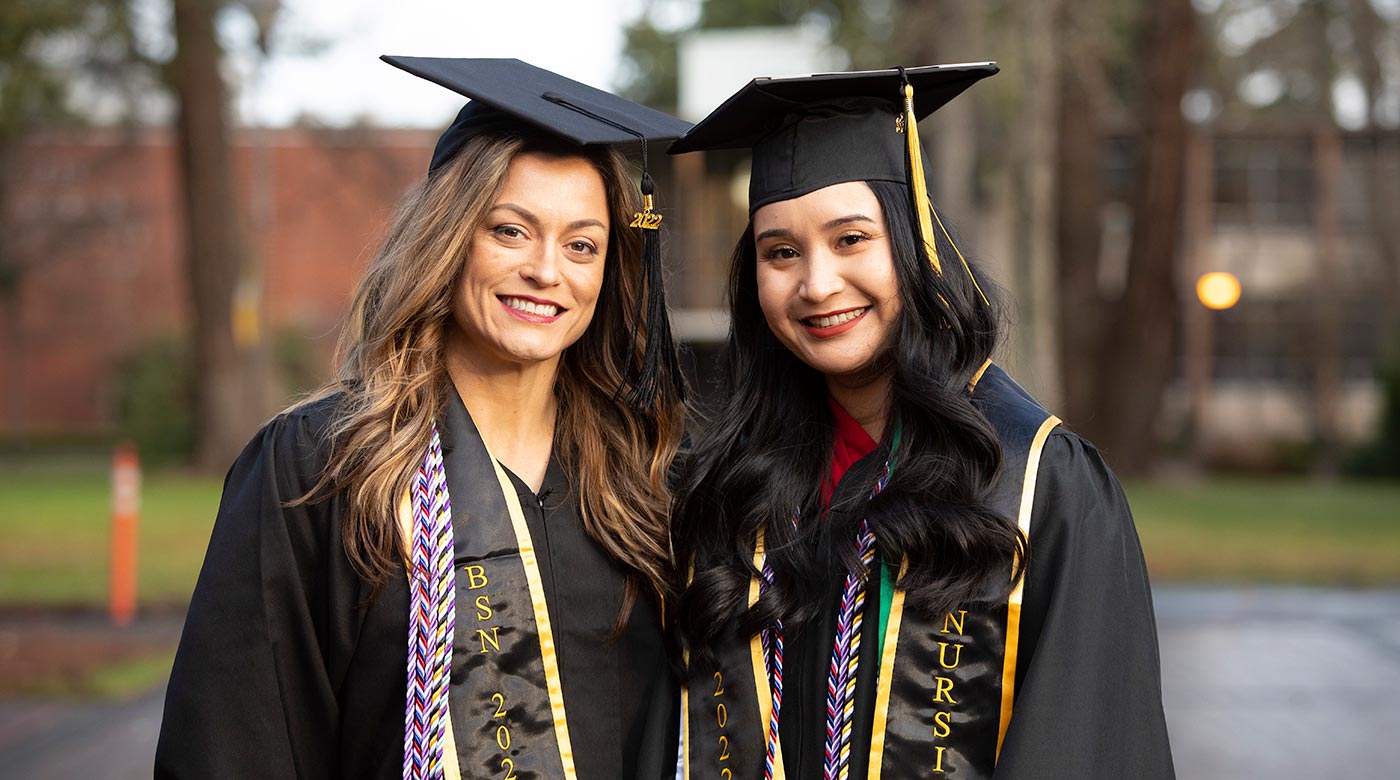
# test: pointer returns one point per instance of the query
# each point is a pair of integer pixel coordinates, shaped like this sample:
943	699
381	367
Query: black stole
946	686
505	696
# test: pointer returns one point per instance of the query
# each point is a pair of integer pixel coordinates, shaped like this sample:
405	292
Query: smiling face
535	266
826	277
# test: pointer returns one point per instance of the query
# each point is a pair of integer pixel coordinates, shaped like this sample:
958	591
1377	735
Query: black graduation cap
508	94
810	132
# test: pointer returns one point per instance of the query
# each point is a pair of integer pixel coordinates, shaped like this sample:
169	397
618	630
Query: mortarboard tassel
916	178
919	185
659	372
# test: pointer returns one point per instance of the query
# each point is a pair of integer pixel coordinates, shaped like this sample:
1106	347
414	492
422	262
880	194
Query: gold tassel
921	203
916	165
647	218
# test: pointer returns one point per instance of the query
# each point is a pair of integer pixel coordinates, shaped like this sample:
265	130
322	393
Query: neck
512	404
865	399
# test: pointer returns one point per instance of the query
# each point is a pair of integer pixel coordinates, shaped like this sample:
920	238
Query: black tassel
659	375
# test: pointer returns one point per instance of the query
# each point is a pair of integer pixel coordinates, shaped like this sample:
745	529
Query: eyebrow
529	216
838	222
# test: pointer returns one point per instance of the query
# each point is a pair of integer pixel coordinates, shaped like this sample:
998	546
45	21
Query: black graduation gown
1088	680
291	666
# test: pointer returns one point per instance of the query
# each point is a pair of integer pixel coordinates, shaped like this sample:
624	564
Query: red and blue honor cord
845	659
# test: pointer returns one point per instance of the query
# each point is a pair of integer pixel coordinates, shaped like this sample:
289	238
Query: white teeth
835	319
530	307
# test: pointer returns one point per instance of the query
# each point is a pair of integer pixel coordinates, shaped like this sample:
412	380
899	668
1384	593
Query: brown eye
851	239
780	253
508	231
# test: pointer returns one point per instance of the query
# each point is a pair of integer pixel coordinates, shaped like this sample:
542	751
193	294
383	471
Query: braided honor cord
432	617
772	638
845	659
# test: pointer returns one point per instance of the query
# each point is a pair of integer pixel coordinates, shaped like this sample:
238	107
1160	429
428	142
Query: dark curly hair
767	446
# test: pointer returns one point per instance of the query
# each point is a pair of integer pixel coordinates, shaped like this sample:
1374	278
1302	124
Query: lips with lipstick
531	309
825	326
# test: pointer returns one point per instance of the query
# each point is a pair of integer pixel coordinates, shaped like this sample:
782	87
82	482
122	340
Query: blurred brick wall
93	222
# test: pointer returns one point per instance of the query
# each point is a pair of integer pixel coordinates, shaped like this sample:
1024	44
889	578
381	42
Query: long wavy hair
394	384
767	447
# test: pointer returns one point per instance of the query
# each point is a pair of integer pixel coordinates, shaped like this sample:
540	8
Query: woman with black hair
898	563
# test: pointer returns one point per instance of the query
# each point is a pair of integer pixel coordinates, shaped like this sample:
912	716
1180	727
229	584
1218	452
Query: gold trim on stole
685	726
977	377
886	679
1013	604
451	770
762	691
547	654
685	695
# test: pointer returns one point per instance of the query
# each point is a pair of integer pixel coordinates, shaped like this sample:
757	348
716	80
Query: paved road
1258	684
1281	683
42	740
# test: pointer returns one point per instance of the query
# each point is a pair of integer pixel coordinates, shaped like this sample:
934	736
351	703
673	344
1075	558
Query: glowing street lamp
1218	290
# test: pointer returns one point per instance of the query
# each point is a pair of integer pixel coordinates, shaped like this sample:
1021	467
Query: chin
533	344
528	350
840	370
837	364
537	355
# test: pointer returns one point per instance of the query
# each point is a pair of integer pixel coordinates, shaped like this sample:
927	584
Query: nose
542	269
821	276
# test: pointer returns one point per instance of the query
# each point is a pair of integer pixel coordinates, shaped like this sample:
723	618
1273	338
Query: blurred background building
1126	150
103	301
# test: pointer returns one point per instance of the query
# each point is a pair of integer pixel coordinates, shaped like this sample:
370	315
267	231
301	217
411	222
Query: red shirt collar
850	443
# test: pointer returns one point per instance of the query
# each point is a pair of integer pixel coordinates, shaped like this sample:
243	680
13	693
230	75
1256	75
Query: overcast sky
325	64
339	76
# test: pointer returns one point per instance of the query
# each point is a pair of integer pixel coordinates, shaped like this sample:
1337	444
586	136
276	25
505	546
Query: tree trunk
1326	334
228	406
1079	232
933	31
1197	321
1038	305
1382	195
11	282
1137	360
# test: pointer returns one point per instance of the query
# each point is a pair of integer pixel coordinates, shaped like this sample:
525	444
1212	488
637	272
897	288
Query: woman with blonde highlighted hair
450	562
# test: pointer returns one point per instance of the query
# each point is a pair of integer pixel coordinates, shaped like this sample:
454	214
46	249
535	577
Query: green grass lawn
114	680
1294	531
54	526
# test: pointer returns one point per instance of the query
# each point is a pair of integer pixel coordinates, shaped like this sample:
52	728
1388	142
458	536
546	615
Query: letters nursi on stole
951	724
945	695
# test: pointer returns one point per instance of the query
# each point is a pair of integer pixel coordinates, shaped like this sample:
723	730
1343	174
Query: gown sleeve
1088	682
250	694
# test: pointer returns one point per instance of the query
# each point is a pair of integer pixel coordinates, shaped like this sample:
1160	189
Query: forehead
565	183
819	207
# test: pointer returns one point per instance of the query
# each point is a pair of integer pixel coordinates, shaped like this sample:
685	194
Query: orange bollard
126	504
